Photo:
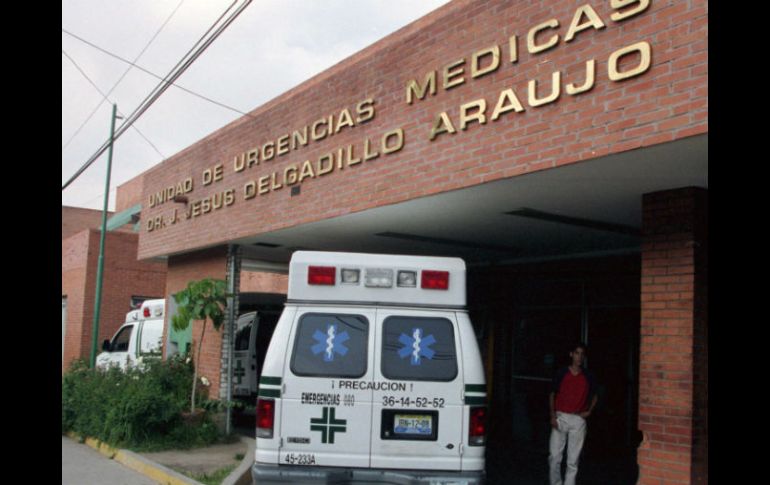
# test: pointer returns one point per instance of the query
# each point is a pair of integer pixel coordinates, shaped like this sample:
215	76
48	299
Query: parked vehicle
137	339
373	373
245	356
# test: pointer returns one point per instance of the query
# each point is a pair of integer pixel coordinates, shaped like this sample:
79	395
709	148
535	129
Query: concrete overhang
586	209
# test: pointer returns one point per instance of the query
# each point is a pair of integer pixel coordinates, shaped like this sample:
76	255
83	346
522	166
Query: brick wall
667	102
181	270
673	385
123	278
78	286
255	282
213	264
75	219
129	194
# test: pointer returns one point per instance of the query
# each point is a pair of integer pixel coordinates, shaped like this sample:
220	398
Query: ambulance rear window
330	345
418	349
242	335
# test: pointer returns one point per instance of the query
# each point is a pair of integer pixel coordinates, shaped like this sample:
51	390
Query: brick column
673	381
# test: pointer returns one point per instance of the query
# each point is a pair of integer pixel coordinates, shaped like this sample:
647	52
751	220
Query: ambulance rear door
326	404
244	355
418	412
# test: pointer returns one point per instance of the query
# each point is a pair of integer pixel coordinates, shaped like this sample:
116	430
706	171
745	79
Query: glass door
541	344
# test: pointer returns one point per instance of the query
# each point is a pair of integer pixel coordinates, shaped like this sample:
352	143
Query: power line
104	98
195	52
146	71
98	197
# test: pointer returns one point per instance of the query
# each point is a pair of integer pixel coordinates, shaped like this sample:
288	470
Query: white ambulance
373	374
244	356
138	338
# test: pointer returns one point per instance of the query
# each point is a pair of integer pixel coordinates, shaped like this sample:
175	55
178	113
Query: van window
121	340
151	339
242	336
330	345
418	349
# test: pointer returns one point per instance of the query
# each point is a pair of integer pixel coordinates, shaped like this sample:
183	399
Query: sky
273	46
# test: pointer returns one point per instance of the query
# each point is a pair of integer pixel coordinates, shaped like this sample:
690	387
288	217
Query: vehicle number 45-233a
299	459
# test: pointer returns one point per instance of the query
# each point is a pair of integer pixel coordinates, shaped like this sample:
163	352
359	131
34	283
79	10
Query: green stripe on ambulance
269	387
475	394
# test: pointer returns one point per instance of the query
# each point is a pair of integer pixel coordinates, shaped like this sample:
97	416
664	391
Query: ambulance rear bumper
263	474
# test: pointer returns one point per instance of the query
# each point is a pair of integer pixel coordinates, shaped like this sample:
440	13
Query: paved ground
504	465
201	460
82	465
528	467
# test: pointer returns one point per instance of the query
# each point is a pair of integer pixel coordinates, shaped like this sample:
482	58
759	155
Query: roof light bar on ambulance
152	311
378	277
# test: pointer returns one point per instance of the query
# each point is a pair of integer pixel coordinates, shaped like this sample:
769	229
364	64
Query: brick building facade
666	102
559	147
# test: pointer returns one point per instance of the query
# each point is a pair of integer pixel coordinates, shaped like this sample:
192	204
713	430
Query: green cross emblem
327	424
239	372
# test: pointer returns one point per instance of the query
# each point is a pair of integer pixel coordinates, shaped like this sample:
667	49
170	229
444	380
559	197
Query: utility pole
100	269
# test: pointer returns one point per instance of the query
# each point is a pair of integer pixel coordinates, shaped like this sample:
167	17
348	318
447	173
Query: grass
215	478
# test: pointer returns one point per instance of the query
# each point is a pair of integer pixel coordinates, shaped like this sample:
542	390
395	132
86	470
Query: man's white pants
572	432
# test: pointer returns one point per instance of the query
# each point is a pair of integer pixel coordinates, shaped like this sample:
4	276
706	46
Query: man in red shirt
572	400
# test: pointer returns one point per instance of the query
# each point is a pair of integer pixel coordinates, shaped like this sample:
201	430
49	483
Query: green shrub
140	409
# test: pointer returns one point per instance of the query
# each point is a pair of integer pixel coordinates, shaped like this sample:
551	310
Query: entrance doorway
535	314
251	344
539	343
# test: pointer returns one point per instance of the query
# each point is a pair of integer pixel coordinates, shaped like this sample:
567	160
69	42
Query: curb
242	474
140	464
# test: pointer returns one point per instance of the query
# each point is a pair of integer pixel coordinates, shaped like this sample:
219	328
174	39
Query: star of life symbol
417	346
330	343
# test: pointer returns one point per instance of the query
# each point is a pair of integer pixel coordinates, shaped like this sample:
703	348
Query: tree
201	300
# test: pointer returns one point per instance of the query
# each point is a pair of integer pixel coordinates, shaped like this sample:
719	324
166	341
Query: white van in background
245	356
373	373
140	337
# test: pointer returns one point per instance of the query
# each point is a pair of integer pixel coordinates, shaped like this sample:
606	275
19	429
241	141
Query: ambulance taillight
477	431
146	312
265	418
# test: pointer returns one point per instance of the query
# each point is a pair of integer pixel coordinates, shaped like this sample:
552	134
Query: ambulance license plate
413	424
